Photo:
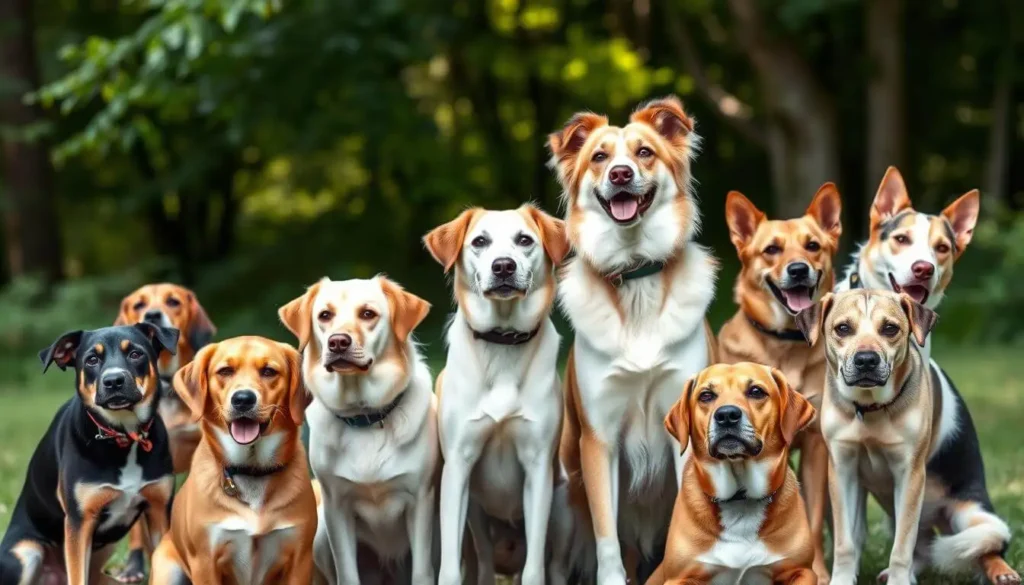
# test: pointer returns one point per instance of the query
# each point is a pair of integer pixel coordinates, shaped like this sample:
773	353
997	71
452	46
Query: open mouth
625	208
246	430
917	291
118	405
731	446
342	364
794	299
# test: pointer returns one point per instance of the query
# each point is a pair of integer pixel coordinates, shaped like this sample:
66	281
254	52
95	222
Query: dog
246	514
501	404
167	305
894	430
373	424
739	517
636	293
785	266
103	463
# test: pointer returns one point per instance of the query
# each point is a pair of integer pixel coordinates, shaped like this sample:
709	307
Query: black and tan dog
103	463
895	430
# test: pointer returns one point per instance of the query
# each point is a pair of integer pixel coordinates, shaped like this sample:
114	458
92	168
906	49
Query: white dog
373	424
501	403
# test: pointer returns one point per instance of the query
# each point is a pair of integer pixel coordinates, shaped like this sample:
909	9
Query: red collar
124	440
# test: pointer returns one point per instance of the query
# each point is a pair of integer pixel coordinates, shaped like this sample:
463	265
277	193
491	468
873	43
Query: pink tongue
244	431
915	291
624	208
797	299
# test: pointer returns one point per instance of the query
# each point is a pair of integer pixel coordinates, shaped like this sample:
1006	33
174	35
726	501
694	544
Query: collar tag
228	485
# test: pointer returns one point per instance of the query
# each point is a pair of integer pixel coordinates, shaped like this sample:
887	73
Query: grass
987	377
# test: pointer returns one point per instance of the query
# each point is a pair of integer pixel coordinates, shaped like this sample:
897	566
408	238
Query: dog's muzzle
866	369
156	317
343	355
731	435
244	422
116	390
796	288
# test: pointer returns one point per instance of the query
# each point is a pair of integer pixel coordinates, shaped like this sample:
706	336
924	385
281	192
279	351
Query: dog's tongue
916	291
798	298
244	431
624	208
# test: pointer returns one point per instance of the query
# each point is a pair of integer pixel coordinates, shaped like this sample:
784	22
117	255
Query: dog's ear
826	208
124	316
552	233
407	310
298	397
795	412
162	338
62	352
677	421
445	241
297	315
962	215
920	317
567	143
811	320
742	217
191	382
666	116
200	328
890	199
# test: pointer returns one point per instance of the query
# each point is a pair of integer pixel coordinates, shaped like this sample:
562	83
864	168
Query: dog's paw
1009	578
133	571
883	577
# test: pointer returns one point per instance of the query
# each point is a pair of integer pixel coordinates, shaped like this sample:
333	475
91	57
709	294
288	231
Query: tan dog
246	515
894	430
739	517
786	266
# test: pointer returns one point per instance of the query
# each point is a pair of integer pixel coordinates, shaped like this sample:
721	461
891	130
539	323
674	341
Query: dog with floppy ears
373	425
636	294
167	305
786	266
888	430
246	515
103	464
501	404
739	517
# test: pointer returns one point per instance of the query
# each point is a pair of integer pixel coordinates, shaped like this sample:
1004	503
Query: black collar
784	335
862	409
371	417
741	496
232	471
505	336
645	268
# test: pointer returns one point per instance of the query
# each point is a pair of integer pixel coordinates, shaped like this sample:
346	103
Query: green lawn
988	378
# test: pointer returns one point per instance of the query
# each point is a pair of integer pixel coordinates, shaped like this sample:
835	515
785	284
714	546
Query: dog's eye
367	314
842	330
756	392
225	372
139	306
135	355
707	396
890	329
173	302
901	239
479	242
325	315
268	372
942	249
524	240
645	152
772	250
812	246
598	157
92	361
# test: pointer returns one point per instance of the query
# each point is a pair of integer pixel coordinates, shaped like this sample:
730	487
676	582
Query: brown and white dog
739	517
373	425
894	432
167	305
246	515
786	266
501	403
636	293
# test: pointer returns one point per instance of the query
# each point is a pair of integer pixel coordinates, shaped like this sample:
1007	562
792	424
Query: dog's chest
252	549
123	510
739	551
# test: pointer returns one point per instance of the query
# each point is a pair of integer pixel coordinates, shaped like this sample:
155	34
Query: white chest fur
255	551
739	549
125	508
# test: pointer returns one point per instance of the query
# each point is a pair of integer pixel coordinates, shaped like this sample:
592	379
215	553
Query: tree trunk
997	165
886	132
32	232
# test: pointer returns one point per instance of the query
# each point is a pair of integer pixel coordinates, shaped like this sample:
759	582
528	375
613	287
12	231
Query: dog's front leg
420	525
458	463
79	528
537	493
908	471
814	481
848	511
341	533
157	515
600	466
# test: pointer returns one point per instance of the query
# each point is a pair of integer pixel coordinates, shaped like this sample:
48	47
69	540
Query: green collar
638	271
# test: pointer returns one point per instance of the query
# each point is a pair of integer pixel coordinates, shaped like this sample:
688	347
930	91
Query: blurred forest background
245	148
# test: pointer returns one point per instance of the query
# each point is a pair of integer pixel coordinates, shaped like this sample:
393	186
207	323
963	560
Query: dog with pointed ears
739	517
103	464
246	514
501	403
636	293
894	433
167	305
373	440
786	265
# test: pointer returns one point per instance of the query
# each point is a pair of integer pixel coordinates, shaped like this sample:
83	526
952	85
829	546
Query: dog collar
368	419
228	484
505	336
638	271
784	335
124	440
862	409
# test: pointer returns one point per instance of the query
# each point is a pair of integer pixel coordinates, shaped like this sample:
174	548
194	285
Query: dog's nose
152	316
339	342
503	267
114	381
798	270
620	175
866	361
922	269
243	400
728	416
